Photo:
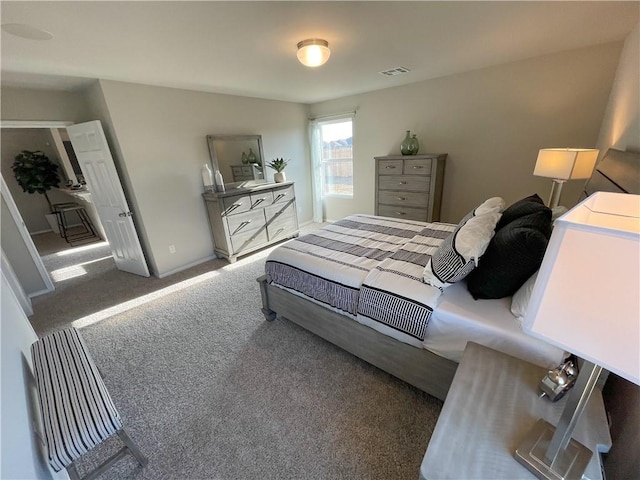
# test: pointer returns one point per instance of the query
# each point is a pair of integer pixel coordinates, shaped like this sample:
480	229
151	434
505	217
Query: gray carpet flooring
210	390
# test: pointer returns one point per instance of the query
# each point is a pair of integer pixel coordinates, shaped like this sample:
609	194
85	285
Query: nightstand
492	403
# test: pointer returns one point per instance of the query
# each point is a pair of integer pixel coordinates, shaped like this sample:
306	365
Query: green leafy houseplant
35	173
278	164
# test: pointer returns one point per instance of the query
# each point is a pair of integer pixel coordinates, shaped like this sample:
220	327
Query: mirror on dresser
239	158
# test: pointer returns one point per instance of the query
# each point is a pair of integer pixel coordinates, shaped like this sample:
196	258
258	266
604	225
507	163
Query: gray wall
28	104
18	254
161	148
621	124
21	455
491	122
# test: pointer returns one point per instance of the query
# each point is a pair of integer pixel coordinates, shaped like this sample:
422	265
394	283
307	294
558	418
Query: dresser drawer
247	240
244	222
404	183
404	199
280	211
283	194
417	166
261	199
407	213
389	167
236	204
281	228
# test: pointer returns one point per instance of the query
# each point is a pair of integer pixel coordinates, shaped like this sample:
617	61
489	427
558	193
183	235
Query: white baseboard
40	292
188	265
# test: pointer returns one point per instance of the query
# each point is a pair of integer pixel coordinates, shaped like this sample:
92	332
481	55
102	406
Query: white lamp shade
313	52
587	295
565	163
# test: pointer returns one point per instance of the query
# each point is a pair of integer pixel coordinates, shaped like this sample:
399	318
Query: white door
99	172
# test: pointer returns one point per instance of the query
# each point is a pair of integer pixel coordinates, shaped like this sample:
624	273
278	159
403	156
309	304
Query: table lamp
564	164
586	300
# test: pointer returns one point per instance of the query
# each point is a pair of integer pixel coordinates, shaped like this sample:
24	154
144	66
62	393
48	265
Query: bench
76	409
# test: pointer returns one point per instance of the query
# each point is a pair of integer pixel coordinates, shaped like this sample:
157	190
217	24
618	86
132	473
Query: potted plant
35	173
279	164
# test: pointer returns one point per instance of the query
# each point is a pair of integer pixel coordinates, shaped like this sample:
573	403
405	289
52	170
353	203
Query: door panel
100	173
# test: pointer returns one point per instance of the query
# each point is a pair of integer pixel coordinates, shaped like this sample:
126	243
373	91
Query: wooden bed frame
617	172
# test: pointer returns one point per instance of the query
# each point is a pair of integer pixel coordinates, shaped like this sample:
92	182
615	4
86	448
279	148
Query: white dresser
246	219
410	186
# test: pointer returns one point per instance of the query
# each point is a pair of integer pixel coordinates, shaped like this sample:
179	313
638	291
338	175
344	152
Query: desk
493	402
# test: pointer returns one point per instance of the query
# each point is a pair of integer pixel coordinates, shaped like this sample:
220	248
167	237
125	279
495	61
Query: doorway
57	257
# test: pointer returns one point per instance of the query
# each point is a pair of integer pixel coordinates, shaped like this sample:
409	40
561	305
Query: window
336	157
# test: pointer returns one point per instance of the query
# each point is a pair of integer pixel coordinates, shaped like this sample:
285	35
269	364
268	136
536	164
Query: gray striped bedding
369	268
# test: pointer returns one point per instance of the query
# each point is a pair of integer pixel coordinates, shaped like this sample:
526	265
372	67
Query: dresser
410	187
246	219
242	173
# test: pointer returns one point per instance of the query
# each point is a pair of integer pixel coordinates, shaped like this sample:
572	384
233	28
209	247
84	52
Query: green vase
414	145
252	157
405	146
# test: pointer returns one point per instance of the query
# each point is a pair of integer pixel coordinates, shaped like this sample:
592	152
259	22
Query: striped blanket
367	267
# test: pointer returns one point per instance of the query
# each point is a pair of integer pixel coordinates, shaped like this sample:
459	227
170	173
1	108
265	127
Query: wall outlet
172	249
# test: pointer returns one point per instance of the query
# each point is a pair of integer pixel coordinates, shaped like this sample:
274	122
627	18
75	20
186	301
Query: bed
359	283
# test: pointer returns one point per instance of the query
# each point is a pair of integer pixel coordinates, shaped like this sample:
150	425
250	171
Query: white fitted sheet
459	319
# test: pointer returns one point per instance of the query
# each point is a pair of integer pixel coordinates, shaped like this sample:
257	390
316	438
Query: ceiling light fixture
313	52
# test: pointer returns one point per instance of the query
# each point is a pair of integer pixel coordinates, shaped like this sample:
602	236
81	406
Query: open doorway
61	258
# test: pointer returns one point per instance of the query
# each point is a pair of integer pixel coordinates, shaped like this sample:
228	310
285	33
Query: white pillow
459	252
492	205
520	299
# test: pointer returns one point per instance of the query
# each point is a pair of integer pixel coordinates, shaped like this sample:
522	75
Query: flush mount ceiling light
23	30
313	52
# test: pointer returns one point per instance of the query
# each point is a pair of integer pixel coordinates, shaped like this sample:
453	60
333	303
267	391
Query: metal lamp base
570	463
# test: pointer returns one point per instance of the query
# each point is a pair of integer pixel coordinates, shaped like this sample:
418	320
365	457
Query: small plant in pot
35	173
279	164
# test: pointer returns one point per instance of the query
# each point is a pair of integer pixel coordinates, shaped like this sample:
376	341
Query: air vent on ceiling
394	71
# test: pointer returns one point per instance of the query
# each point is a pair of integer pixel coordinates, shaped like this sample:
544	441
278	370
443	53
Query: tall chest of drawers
410	187
247	219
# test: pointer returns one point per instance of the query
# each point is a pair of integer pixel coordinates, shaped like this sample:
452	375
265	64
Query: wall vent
394	71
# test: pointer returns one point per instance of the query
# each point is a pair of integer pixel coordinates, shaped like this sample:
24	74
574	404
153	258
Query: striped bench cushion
77	411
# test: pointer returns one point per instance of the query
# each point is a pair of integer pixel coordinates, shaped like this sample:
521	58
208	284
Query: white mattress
459	319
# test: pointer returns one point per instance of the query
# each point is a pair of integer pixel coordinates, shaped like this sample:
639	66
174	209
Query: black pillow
513	255
526	206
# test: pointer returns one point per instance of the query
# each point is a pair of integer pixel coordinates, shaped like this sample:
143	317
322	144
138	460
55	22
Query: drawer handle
235	205
258	201
390	166
403	183
401	213
418	166
400	198
241	226
280	196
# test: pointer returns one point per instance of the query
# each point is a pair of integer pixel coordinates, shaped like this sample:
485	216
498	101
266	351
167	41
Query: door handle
125	214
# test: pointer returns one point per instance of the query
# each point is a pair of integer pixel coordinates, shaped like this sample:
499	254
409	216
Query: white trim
38	293
34	124
322	118
17	218
14	283
188	265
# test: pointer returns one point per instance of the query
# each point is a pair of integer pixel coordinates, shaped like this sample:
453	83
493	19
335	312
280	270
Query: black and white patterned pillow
458	254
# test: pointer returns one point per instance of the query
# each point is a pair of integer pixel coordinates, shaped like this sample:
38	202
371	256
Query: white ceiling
249	48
